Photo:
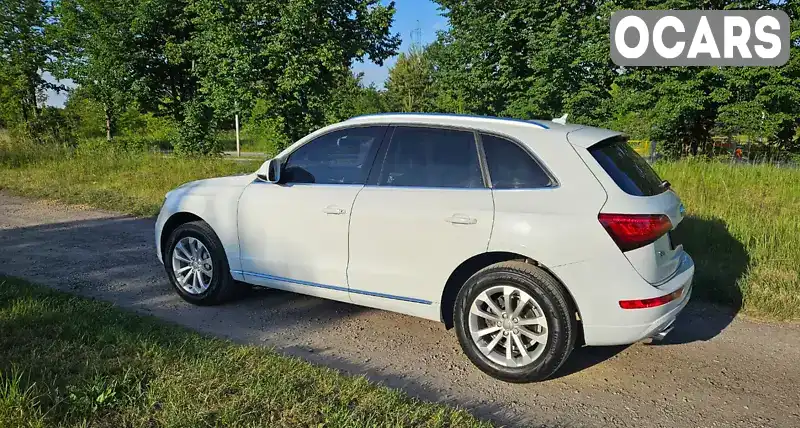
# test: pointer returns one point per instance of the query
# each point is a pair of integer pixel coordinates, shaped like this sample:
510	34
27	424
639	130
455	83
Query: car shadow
721	261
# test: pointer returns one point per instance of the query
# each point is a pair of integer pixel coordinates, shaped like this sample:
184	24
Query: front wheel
514	322
196	264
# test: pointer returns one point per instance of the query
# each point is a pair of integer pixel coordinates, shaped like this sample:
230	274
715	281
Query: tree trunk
32	98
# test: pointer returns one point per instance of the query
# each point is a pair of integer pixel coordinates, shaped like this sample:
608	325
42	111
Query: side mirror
270	171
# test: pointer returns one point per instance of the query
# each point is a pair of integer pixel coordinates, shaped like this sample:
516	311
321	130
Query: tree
85	114
292	53
351	98
99	51
682	107
525	58
409	87
24	54
534	58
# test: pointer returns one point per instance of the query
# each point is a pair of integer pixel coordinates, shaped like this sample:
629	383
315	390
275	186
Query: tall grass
743	231
249	141
132	182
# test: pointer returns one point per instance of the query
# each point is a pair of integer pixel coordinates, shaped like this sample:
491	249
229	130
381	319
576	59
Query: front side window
339	157
511	167
431	157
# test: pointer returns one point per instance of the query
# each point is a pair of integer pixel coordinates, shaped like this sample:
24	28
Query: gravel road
714	369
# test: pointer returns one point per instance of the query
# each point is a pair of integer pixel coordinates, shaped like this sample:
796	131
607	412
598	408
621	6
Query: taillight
632	231
651	303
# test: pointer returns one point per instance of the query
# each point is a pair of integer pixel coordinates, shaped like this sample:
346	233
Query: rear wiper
665	185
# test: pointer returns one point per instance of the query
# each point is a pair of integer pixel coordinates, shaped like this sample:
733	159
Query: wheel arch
474	264
172	223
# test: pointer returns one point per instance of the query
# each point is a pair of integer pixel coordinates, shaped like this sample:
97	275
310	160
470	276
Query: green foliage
266	128
105	175
99	52
284	68
351	98
410	84
534	58
196	135
85	115
525	59
25	49
294	59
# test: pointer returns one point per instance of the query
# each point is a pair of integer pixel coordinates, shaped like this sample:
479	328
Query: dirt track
714	369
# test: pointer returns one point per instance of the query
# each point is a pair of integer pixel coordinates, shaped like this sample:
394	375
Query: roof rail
509	119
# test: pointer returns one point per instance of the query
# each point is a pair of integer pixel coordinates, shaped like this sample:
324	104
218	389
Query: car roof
579	135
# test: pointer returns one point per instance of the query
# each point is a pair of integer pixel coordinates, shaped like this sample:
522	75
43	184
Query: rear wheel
514	322
196	264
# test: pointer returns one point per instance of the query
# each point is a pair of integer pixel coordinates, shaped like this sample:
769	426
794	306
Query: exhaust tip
661	334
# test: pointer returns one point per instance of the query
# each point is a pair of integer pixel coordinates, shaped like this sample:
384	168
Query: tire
548	316
220	285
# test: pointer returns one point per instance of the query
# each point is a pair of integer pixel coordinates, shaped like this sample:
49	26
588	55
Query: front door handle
333	209
461	219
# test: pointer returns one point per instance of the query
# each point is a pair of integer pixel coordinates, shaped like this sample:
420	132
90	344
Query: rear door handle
333	209
461	219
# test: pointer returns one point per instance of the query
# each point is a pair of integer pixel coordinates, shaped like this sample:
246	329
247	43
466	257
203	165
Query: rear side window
511	167
431	157
629	170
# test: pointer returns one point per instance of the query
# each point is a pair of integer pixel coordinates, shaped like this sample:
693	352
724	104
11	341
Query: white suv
527	237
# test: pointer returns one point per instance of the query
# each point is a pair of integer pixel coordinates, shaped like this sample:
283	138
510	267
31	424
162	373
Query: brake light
651	303
632	231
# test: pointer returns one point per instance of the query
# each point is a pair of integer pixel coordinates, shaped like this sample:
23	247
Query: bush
196	135
18	149
266	129
158	131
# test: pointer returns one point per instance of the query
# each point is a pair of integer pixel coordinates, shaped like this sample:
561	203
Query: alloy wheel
192	265
508	326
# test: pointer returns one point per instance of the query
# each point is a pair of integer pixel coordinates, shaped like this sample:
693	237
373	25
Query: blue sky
410	15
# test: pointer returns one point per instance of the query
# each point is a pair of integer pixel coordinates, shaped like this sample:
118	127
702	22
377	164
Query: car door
424	211
293	234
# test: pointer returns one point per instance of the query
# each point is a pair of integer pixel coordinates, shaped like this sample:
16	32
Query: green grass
71	361
128	182
743	232
248	142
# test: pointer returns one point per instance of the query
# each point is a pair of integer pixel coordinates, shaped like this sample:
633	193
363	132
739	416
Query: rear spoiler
588	136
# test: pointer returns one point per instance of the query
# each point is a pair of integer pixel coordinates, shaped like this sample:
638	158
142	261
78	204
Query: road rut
715	369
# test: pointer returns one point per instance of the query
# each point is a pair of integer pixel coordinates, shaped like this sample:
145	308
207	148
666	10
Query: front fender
215	202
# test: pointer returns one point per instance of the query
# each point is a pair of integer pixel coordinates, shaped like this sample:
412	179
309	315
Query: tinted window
511	167
339	157
631	173
430	157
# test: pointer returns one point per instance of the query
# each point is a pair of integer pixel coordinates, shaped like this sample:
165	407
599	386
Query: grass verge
128	182
71	361
743	232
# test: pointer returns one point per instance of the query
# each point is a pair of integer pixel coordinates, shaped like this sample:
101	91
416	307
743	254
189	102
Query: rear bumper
646	323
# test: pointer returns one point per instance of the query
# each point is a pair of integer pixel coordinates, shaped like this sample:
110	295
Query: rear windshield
629	170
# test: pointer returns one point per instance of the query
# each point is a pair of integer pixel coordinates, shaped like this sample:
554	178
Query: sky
409	16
